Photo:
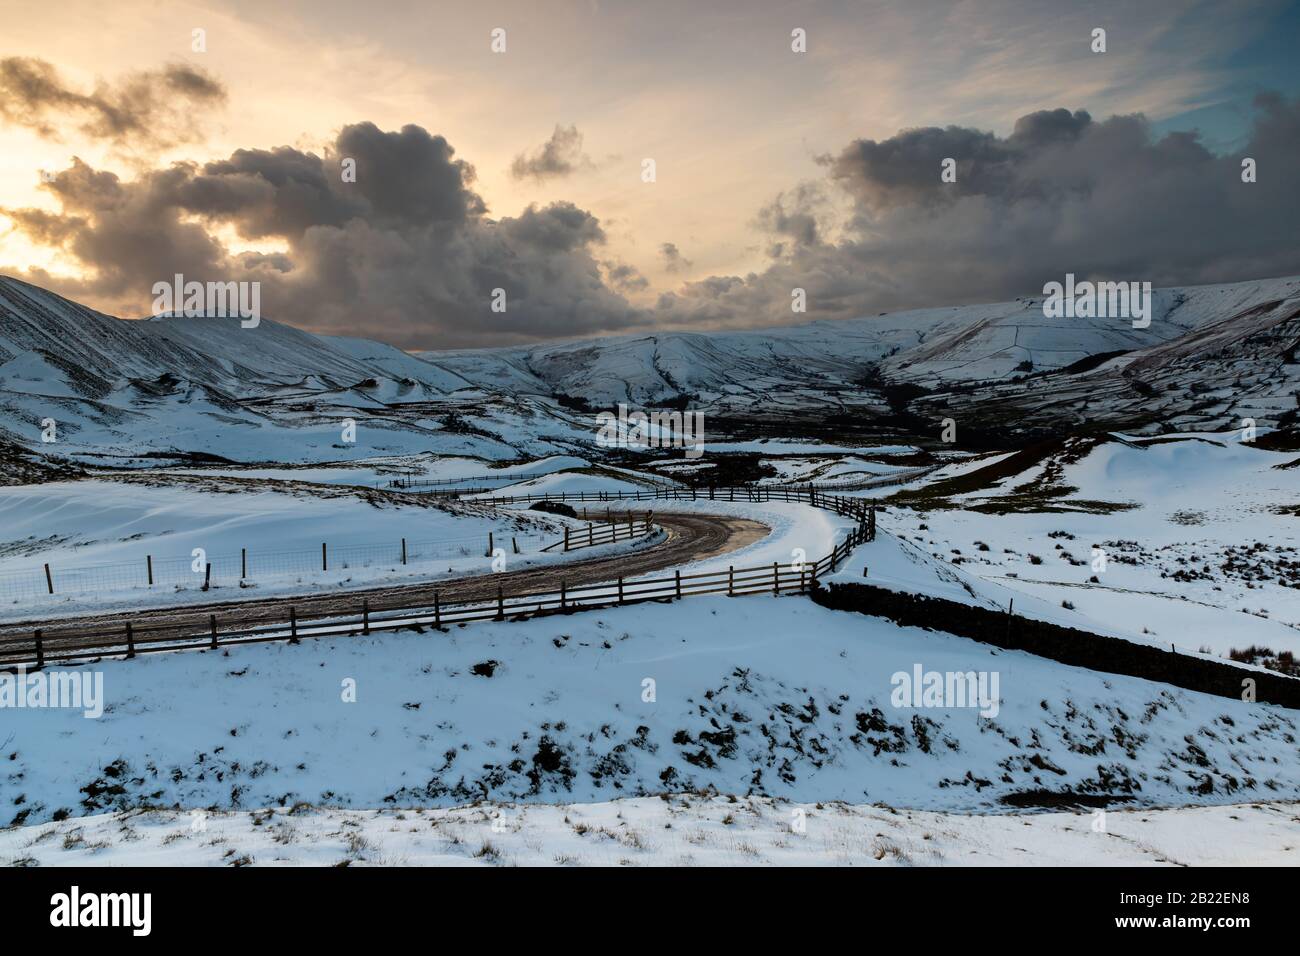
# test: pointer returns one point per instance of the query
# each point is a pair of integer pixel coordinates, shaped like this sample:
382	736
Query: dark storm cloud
792	218
1061	193
406	253
673	259
559	156
624	277
145	109
904	170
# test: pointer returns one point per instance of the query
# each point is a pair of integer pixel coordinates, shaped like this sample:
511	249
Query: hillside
1212	355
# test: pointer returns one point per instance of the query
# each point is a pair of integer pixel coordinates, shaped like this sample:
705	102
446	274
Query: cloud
625	278
406	253
409	254
559	156
674	261
1061	193
152	108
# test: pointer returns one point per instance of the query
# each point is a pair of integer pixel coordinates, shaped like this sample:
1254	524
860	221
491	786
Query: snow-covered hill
118	388
770	371
757	695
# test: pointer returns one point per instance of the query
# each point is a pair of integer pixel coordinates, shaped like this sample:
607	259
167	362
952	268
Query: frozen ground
96	534
841	470
755	695
677	830
1202	555
373	472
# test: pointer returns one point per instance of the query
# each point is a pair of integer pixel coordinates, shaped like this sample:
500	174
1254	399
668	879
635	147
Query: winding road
689	537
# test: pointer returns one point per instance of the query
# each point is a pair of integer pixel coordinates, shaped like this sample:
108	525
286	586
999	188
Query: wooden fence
775	578
611	531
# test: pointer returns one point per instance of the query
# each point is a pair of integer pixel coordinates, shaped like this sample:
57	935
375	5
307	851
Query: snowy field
379	472
1201	556
840	470
676	830
96	535
755	695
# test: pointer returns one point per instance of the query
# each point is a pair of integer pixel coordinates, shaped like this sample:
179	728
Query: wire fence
508	478
251	566
131	639
258	566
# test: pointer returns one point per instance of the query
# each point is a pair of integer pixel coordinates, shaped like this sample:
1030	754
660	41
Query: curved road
690	537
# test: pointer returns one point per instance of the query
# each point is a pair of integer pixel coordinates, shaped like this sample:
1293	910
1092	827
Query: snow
380	472
564	482
775	701
683	830
1201	501
788	446
96	534
760	694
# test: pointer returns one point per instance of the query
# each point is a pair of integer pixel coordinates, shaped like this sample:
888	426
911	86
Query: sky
130	152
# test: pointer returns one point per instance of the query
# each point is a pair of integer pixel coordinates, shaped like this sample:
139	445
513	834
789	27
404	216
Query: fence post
437	611
365	615
243	563
403	550
148	561
40	649
207	575
514	543
49	581
324	558
293	625
589	534
620	589
776	579
678	574
491	545
648	516
562	595
130	641
566	538
731	579
501	604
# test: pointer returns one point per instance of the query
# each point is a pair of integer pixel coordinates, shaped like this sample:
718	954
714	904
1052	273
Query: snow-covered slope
1187	541
757	695
822	363
116	389
683	830
209	385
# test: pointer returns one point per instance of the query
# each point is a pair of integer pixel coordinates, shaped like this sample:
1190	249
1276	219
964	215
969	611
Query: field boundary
1065	645
775	578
